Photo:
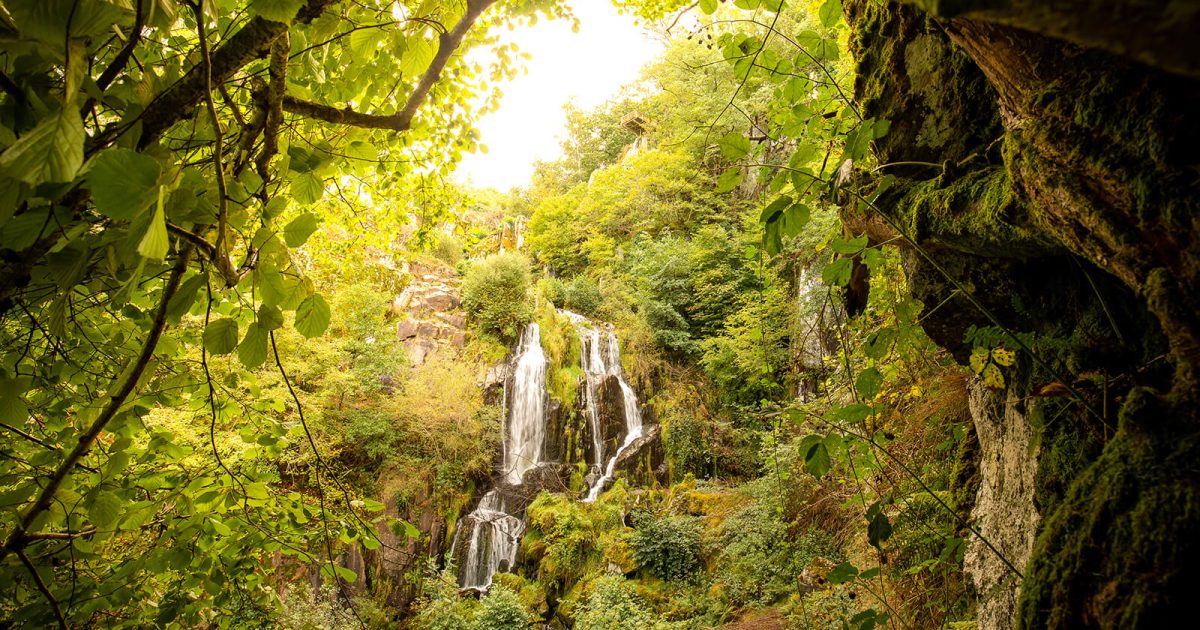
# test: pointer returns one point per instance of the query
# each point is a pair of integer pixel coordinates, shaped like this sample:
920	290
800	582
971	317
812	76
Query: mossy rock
1122	549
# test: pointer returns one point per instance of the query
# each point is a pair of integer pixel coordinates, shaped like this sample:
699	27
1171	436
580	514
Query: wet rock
610	410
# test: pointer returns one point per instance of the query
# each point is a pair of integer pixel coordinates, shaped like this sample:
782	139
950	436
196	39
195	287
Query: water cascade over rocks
493	530
600	359
488	539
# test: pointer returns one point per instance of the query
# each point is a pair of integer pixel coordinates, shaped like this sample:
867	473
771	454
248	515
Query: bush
501	610
583	296
448	249
552	290
496	294
613	604
669	547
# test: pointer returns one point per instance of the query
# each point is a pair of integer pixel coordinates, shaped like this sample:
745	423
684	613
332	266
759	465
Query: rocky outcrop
1005	513
427	310
610	410
643	462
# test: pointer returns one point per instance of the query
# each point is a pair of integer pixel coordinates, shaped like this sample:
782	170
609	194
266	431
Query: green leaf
729	180
312	316
253	350
830	13
868	383
183	299
856	412
105	510
299	229
979	359
879	342
837	273
307	188
221	336
817	461
12	408
992	377
277	10
842	573
123	182
270	317
774	209
1003	356
708	6
847	247
257	490
50	152
734	146
155	243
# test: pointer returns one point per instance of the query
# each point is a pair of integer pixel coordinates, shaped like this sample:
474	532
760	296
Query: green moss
561	343
1121	550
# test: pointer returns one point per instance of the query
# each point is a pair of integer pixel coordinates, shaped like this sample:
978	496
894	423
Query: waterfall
493	530
526	429
495	536
600	357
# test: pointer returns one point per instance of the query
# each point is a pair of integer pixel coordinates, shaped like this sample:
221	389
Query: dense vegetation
881	280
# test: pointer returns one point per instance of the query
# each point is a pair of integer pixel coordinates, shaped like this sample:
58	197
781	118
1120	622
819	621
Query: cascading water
600	358
495	536
527	417
493	530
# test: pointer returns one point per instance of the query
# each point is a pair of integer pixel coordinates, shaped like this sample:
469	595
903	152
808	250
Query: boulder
407	329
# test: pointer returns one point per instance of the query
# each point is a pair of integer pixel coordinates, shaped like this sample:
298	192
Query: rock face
1005	512
427	311
610	411
644	460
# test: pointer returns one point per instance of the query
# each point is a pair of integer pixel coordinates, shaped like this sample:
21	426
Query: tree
162	164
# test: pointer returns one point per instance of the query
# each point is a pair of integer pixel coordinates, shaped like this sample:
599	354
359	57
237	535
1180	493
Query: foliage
667	546
501	610
496	294
613	604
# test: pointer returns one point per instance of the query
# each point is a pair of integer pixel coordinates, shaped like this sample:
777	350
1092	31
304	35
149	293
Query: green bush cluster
667	546
496	295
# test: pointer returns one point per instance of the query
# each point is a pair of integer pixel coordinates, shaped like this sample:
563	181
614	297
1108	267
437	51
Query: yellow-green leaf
155	243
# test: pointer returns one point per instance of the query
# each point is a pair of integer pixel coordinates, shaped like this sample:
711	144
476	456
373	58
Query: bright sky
587	67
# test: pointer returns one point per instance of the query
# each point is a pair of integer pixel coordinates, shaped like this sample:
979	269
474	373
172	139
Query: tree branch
253	41
17	540
37	579
448	43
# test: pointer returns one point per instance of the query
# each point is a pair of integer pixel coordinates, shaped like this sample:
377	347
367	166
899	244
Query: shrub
583	296
613	604
448	249
669	547
496	294
552	290
501	610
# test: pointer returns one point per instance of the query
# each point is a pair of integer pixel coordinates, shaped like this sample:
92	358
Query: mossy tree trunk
1067	201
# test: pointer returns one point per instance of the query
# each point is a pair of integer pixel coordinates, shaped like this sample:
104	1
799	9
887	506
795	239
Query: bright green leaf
155	243
312	316
221	336
123	182
50	152
252	352
296	232
277	10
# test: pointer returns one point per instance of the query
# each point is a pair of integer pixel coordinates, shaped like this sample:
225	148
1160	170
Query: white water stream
495	529
600	358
